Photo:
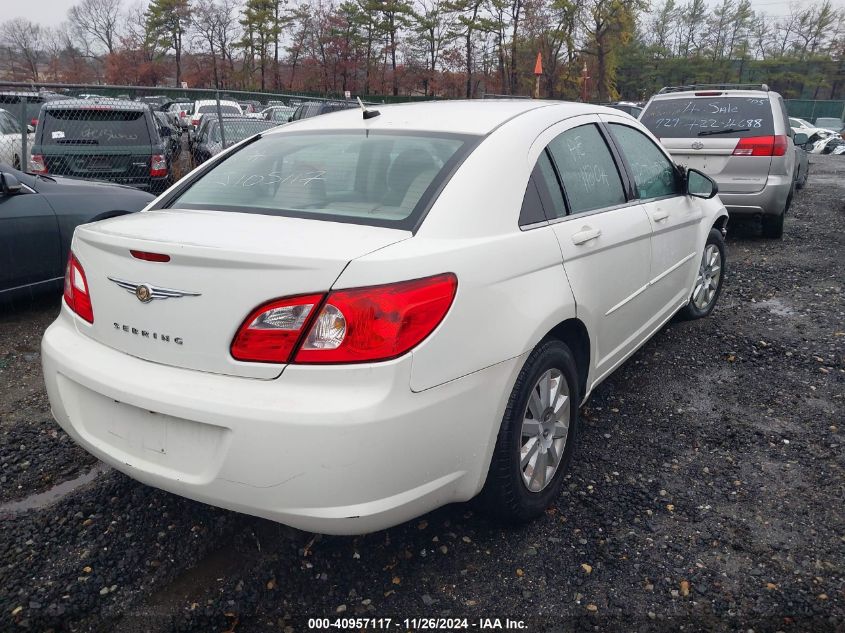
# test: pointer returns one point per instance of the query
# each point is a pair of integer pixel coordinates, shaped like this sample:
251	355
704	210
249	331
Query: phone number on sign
414	624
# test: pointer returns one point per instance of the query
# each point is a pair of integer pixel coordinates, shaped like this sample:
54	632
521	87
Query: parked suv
739	136
112	140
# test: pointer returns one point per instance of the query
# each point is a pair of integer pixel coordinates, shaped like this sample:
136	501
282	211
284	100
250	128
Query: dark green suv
102	139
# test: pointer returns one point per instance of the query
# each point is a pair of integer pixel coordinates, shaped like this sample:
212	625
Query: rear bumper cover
768	201
342	450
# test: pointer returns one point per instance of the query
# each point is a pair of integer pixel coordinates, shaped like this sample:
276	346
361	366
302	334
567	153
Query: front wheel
708	282
537	436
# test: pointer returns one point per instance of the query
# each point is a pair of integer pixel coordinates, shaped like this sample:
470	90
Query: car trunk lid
714	156
221	266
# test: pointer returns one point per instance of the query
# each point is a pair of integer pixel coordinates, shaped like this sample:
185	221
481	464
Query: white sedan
356	318
10	140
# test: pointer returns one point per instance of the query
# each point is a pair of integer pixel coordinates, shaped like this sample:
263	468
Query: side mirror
700	185
10	184
290	118
800	138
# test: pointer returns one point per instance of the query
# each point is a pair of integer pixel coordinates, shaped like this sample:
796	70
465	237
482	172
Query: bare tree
24	38
98	19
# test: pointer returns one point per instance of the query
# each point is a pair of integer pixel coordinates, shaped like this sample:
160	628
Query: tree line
603	49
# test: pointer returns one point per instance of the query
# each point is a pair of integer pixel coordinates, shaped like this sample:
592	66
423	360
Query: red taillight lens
195	122
377	323
270	333
77	295
34	122
150	257
158	166
353	326
762	146
37	164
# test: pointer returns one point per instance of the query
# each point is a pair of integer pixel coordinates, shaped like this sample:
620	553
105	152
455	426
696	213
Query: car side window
654	174
587	169
549	187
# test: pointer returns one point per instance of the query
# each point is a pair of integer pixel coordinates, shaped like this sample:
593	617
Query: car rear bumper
768	201
341	450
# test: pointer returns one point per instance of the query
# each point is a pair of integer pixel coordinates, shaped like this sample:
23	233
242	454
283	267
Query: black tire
16	162
691	310
505	495
802	182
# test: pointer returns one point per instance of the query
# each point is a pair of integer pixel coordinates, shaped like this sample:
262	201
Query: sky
53	12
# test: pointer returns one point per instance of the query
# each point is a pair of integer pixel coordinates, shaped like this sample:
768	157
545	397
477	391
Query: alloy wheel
545	428
707	282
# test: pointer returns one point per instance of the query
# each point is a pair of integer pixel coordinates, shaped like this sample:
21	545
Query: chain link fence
139	136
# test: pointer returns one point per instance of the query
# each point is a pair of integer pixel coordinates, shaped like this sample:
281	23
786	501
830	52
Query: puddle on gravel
54	494
776	306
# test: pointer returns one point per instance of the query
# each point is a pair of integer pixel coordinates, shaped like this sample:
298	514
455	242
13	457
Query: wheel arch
575	335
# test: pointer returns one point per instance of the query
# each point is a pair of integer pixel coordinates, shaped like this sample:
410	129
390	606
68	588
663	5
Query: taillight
34	122
377	323
708	94
37	164
762	146
77	295
357	325
270	333
158	166
195	122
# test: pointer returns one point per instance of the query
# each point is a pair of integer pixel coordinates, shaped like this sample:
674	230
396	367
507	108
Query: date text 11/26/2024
417	624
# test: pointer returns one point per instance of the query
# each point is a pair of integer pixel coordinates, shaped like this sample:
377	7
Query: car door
29	240
674	216
604	237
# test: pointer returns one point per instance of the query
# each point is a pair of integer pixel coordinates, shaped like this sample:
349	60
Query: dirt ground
707	493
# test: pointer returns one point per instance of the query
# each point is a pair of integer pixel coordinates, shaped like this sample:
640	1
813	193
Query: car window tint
586	166
654	174
95	126
724	117
532	207
549	187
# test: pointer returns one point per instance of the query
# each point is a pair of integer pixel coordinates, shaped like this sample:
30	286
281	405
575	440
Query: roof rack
667	89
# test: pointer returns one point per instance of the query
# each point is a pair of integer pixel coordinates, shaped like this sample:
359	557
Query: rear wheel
773	225
708	282
537	436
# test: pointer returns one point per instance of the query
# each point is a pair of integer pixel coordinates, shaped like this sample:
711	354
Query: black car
169	131
209	142
37	217
117	141
316	108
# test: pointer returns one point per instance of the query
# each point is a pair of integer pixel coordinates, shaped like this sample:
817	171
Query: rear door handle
585	235
659	215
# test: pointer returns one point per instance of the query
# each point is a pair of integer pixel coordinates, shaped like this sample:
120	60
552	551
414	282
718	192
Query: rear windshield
224	109
732	117
377	178
90	126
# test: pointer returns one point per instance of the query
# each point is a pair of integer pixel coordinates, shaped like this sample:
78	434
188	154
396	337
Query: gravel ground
707	493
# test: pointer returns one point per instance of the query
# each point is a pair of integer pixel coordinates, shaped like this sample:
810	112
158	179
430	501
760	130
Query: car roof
103	103
477	117
709	93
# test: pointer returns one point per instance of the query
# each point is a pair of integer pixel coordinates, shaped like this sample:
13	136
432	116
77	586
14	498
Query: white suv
356	318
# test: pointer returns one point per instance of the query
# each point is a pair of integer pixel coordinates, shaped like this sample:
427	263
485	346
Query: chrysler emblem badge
144	293
698	145
147	292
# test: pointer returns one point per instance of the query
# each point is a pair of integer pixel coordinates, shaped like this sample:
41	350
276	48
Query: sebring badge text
164	338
